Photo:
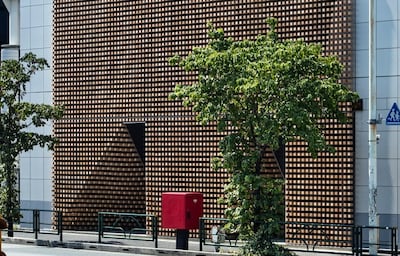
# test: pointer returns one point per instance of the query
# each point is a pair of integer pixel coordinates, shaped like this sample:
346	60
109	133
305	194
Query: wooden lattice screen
321	190
110	68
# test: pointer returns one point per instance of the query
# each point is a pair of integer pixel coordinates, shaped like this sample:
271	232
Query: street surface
32	250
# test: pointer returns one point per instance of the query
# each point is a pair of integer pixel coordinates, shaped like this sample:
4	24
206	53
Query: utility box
181	210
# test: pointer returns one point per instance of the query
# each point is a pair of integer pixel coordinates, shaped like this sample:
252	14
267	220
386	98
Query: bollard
3	225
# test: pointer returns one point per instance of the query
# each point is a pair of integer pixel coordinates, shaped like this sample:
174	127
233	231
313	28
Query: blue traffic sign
393	117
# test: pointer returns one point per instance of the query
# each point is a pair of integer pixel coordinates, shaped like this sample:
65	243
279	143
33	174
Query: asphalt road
30	250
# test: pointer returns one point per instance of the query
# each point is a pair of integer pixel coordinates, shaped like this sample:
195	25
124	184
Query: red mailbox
181	210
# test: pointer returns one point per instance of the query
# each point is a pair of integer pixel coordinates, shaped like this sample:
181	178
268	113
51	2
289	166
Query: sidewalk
89	241
166	245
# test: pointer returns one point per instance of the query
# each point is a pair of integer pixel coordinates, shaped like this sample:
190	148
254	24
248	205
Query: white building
388	92
36	165
35	36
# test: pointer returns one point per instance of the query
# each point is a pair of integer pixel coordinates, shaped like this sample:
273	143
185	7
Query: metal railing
215	235
388	246
317	234
127	226
310	235
320	234
31	222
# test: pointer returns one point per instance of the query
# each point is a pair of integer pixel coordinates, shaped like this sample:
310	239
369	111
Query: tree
16	116
261	93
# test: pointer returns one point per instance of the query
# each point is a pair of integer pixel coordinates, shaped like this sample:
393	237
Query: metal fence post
394	241
36	222
201	228
100	226
155	230
358	240
354	239
60	225
361	240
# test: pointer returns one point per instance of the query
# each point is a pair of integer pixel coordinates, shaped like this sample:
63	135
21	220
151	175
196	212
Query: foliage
16	116
260	93
267	89
261	244
245	207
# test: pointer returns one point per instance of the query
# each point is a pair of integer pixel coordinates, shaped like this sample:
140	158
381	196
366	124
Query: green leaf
16	116
260	94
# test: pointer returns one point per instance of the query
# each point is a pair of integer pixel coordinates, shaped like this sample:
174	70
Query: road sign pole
372	136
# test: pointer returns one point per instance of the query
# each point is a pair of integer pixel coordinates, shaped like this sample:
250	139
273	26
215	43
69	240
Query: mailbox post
181	211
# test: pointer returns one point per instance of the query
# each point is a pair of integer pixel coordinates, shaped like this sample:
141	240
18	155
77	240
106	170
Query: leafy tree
261	93
16	116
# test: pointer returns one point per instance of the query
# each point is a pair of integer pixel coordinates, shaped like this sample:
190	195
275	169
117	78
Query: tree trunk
257	193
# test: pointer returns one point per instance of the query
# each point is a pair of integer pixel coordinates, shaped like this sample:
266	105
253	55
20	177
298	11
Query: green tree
16	116
261	93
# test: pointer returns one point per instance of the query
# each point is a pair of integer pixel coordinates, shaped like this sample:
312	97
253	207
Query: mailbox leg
182	239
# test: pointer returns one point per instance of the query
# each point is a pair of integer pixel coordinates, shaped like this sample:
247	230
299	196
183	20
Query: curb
110	247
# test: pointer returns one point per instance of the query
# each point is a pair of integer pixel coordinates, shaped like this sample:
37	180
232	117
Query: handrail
132	217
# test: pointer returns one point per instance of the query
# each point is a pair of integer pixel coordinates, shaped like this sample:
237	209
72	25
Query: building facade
34	35
111	72
123	143
387	72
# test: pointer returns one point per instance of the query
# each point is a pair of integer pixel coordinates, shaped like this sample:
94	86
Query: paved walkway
89	241
166	246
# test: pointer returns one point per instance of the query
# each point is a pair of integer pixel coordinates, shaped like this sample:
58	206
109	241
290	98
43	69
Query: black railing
386	245
31	222
312	235
136	227
127	226
211	232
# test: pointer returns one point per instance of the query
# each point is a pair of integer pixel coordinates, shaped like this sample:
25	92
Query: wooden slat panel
110	67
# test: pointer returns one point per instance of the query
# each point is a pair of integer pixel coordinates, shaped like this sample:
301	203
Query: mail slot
181	210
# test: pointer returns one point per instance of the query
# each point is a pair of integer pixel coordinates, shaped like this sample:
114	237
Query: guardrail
309	234
216	236
128	226
32	223
317	234
320	234
389	246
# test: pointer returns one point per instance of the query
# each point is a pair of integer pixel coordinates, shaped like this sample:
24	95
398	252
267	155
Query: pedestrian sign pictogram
393	117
